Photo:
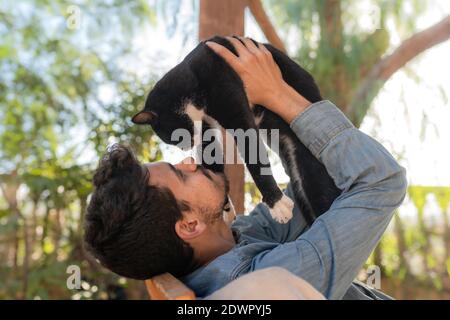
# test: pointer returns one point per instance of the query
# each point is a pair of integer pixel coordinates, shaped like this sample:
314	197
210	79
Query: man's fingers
268	54
240	48
250	45
264	49
226	54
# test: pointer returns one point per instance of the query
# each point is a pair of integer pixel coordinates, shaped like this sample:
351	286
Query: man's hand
262	78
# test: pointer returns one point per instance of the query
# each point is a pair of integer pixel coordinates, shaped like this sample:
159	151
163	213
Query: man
148	219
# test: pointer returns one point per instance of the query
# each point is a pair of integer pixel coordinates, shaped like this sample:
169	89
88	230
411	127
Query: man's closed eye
180	174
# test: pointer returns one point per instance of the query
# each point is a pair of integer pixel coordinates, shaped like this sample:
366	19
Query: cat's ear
144	117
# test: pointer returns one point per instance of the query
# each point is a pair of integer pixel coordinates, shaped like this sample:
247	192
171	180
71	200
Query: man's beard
210	216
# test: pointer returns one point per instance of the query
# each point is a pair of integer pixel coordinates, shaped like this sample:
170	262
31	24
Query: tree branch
386	67
331	28
337	84
257	10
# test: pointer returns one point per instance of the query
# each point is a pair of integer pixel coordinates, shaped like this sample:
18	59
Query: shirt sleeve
260	225
330	254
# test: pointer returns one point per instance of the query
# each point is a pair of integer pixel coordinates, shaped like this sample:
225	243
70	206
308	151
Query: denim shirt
331	252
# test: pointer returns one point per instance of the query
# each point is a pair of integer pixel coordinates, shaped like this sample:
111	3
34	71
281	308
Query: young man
148	219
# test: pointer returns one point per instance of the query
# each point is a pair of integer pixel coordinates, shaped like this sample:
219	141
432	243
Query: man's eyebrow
176	171
146	174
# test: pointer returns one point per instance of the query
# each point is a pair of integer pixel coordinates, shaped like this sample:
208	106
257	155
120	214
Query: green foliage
56	121
340	41
65	94
337	41
419	194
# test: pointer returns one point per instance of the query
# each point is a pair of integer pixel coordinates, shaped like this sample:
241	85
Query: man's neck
213	244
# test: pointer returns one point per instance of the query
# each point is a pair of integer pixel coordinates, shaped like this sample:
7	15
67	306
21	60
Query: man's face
205	191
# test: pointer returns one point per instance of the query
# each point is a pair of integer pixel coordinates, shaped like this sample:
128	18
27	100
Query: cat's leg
252	150
209	153
290	154
317	185
314	190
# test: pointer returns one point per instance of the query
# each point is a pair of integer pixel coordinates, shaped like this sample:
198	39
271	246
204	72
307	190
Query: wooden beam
222	18
166	287
226	18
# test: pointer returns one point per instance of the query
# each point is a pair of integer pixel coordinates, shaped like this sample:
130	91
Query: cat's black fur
210	84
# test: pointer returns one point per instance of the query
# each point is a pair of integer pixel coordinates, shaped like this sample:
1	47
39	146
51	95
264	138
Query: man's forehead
159	171
156	165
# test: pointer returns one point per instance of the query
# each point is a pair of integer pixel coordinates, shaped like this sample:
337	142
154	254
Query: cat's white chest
193	113
196	115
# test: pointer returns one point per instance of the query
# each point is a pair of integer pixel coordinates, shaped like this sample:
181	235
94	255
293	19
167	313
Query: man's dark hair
130	225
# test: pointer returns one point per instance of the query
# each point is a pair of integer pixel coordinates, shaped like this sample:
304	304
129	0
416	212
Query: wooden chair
166	287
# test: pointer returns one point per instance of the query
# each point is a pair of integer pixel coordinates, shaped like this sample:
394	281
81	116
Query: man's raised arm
330	254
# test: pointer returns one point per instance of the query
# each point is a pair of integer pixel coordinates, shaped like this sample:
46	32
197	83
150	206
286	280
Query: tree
349	65
226	18
52	75
348	47
65	93
352	63
383	69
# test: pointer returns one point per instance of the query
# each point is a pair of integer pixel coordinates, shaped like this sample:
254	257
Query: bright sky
396	116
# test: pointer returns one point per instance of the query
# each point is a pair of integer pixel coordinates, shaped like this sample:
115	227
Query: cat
203	87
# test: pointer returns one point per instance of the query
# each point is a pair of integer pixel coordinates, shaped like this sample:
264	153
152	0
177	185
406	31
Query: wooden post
222	18
226	18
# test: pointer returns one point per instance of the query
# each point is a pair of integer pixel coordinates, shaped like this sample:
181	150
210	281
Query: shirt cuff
319	124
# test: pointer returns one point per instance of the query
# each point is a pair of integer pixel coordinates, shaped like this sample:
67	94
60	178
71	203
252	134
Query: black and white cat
204	88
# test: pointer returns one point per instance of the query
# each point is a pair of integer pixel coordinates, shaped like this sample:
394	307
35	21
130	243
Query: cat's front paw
282	210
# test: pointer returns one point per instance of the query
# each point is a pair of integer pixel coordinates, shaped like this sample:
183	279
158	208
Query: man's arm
330	254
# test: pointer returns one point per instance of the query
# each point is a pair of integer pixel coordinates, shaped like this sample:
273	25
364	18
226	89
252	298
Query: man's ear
189	228
144	117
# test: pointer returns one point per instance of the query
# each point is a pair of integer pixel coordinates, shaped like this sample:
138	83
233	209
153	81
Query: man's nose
187	164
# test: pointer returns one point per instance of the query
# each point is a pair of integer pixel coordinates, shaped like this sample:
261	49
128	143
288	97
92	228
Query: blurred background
72	73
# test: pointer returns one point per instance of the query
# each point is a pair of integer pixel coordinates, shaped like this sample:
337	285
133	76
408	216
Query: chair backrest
166	287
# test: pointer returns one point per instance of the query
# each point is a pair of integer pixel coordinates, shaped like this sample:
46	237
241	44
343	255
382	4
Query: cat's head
166	105
204	83
183	94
